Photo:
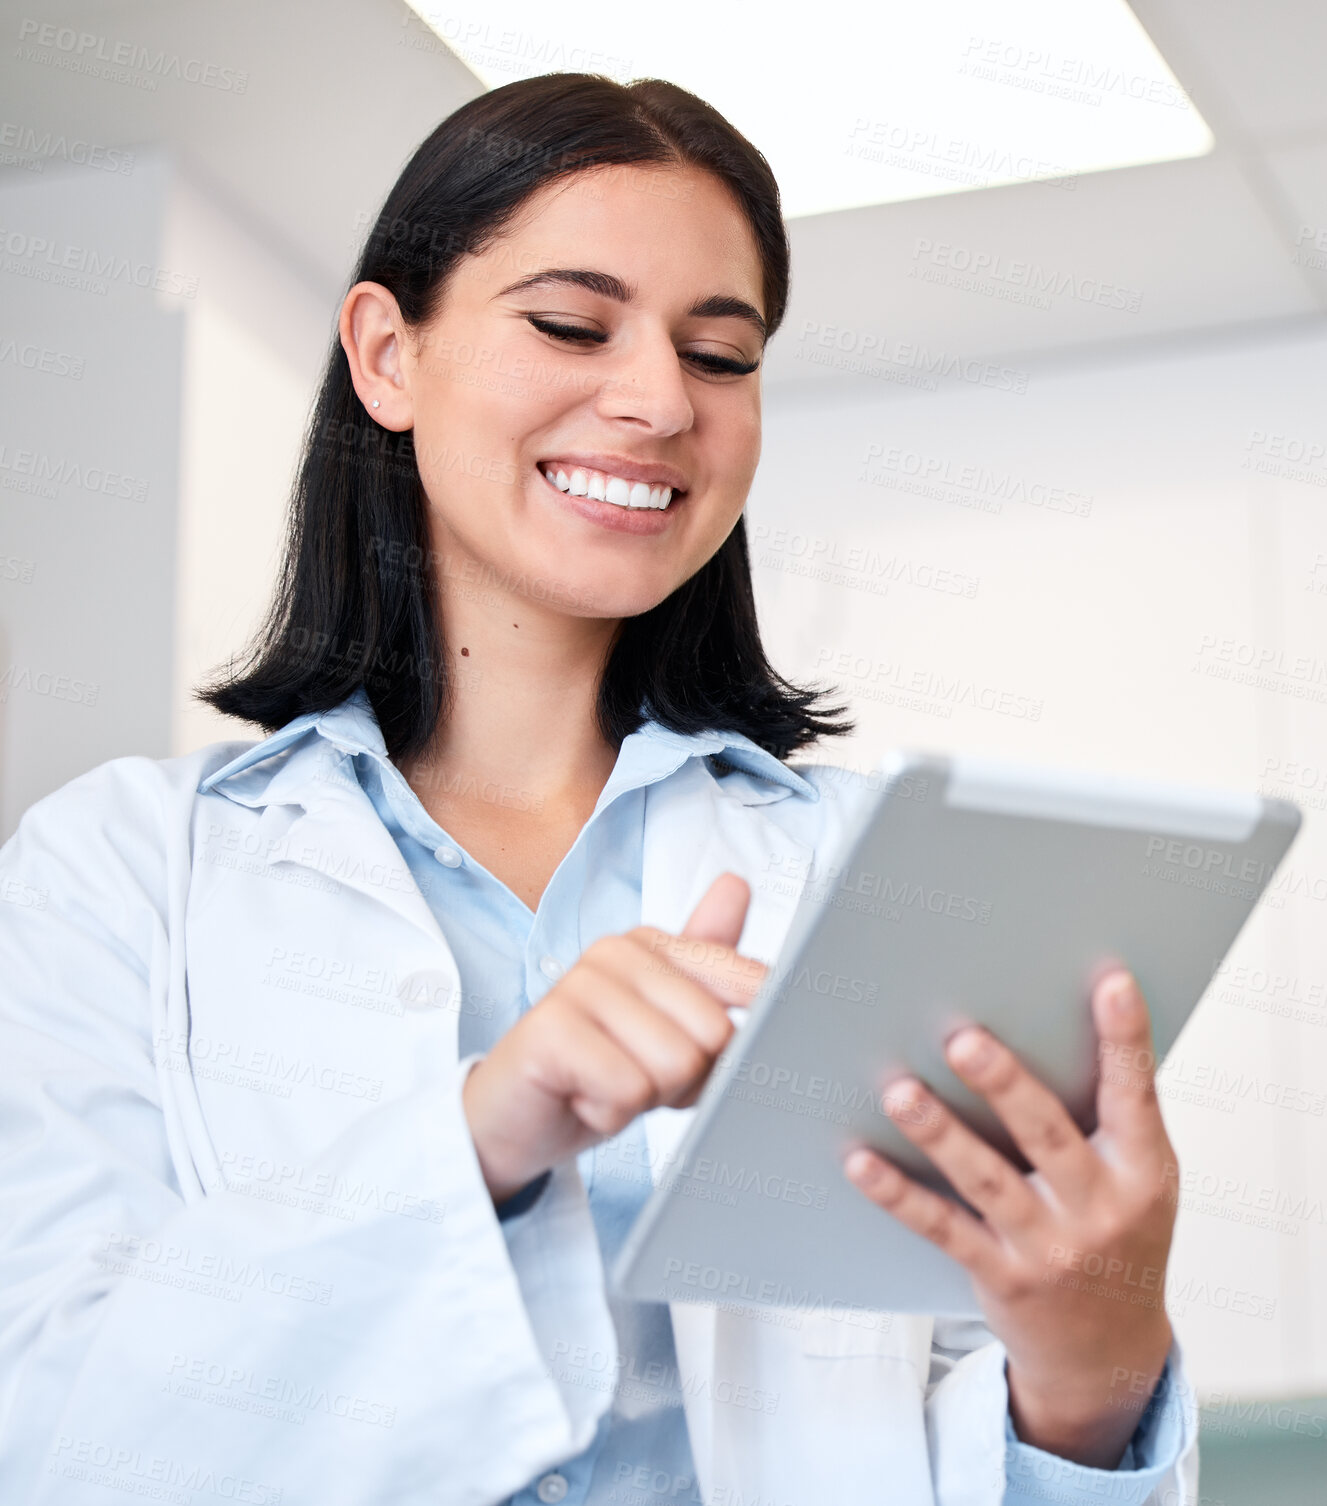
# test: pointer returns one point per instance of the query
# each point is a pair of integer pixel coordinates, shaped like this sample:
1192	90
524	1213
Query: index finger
732	978
1127	1107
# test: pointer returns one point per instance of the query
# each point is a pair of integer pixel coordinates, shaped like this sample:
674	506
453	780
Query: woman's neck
521	729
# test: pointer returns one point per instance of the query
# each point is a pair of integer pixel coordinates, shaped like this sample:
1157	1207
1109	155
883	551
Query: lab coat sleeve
978	1460
162	1340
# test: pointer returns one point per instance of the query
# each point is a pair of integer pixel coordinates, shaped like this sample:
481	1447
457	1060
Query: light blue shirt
508	958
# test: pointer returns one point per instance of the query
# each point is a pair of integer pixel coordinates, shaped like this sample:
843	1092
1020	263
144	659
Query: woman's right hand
637	1021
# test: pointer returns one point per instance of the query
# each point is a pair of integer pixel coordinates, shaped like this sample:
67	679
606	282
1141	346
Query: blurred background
1044	472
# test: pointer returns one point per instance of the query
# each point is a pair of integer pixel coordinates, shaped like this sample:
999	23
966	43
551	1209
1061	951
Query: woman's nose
649	387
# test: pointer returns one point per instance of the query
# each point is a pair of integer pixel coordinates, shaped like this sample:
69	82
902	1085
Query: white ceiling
1208	245
340	92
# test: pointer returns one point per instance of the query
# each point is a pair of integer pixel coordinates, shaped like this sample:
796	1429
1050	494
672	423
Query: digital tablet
982	891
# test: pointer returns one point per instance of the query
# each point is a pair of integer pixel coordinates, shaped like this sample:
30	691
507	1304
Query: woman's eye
724	365
580	334
574	332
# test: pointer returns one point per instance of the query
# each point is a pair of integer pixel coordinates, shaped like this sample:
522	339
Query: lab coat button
552	1487
551	968
448	857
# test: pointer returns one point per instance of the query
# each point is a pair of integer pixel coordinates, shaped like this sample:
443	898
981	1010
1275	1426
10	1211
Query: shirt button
551	968
552	1487
448	857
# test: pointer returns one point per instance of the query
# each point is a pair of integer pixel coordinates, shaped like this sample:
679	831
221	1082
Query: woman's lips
607	486
608	464
612	515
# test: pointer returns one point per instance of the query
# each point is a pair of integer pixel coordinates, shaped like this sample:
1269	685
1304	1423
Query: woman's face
606	344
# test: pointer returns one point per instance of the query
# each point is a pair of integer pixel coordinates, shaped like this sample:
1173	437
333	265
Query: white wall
254	344
188	369
1088	641
90	357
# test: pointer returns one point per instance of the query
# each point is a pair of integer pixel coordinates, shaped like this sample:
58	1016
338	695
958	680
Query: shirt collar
353	727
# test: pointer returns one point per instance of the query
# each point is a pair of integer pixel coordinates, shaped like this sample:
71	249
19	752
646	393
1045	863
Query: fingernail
1123	996
864	1167
902	1096
971	1048
859	1164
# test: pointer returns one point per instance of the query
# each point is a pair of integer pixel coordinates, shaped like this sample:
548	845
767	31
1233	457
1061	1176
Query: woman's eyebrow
606	285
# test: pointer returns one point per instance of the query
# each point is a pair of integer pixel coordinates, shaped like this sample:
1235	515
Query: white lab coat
248	1250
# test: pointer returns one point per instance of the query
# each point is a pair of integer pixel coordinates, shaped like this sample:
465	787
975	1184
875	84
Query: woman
307	1202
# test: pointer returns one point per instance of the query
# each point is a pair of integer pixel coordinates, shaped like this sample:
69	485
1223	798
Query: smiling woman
328	1057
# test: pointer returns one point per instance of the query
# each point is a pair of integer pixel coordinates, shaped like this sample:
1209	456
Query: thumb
721	912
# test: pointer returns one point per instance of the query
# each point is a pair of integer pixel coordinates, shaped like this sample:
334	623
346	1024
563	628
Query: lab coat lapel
316	814
339	834
285	877
694	831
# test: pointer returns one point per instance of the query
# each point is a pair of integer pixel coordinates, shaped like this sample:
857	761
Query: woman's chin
604	599
591	593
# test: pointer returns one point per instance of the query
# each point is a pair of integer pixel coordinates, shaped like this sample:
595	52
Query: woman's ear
370	327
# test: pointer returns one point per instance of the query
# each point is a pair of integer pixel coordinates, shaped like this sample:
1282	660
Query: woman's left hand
1069	1261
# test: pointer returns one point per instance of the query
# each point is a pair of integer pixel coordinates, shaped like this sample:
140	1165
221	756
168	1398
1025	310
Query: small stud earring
375	402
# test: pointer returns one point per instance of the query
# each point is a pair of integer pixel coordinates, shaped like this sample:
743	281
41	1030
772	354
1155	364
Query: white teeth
605	488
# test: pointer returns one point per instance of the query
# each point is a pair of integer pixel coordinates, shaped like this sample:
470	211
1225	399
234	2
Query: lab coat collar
317	815
352	727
